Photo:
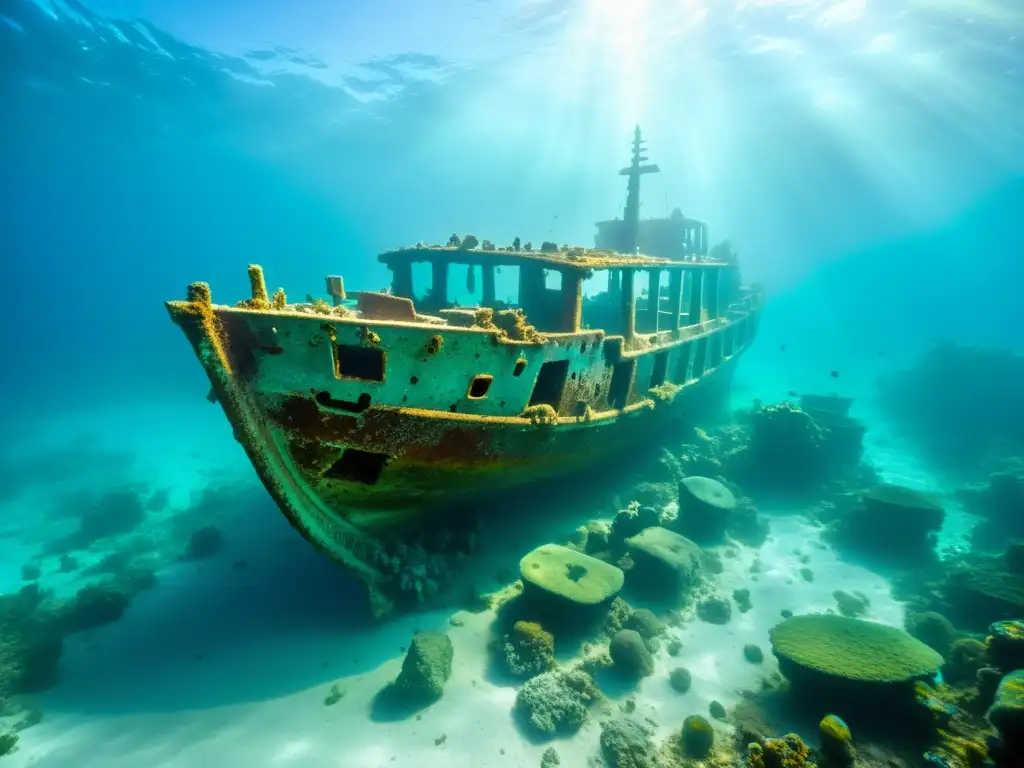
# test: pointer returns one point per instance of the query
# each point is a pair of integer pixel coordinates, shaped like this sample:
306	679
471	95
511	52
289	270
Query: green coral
647	625
680	679
932	629
550	758
698	736
8	742
787	752
630	654
714	610
570	575
426	668
753	653
1007	711
626	743
836	741
556	702
529	650
966	656
852	649
852	605
1005	643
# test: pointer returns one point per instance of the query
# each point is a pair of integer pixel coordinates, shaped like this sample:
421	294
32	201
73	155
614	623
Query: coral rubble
556	702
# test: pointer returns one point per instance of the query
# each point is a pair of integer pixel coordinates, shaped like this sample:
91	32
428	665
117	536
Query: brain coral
853	649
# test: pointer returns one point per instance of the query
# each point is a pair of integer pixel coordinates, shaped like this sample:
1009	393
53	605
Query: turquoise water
866	161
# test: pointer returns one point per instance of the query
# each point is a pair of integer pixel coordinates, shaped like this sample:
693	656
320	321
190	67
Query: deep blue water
867	162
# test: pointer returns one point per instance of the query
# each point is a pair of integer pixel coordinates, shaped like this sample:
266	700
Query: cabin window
660	371
360	405
421	277
519	367
599	308
479	386
622	378
550	383
355	362
356	466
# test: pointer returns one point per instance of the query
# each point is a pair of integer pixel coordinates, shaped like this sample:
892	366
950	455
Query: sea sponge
1006	644
556	702
786	448
528	649
852	649
932	629
836	741
626	743
630	654
787	752
680	679
698	737
714	610
742	598
1007	712
426	668
647	625
852	605
966	656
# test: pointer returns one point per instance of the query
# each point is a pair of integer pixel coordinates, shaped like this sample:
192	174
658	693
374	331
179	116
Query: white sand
272	640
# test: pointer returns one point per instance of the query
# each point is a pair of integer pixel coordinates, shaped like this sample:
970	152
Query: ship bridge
675	237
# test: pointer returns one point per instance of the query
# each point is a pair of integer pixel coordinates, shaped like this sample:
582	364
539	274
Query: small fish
834	374
792	393
782	348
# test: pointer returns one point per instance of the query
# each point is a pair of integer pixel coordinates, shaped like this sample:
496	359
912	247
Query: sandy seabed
220	666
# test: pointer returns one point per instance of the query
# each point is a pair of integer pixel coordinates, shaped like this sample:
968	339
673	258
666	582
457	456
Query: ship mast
631	213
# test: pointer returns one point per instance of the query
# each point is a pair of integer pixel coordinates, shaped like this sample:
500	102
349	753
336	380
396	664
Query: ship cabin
651	321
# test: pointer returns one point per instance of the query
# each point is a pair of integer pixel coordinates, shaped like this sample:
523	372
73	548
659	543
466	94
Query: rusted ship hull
349	468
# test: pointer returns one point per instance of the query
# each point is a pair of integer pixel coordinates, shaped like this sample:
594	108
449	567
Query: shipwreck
364	412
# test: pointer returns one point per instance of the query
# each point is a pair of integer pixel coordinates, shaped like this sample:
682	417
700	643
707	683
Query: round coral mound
852	649
570	575
710	492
